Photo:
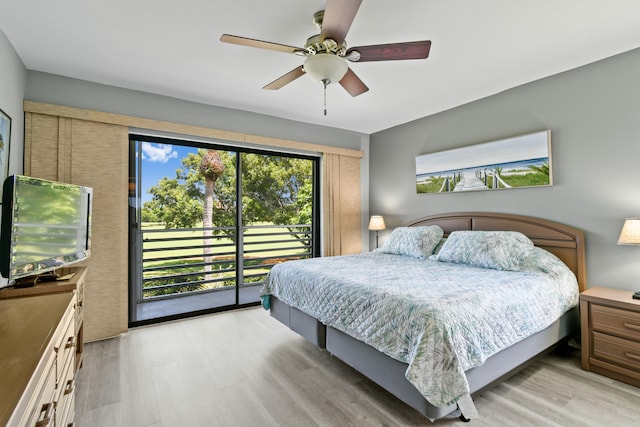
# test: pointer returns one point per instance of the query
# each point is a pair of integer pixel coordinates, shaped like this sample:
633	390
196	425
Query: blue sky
159	161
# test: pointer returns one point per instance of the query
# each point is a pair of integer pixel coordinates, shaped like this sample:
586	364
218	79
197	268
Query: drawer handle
632	326
45	414
69	387
69	343
632	356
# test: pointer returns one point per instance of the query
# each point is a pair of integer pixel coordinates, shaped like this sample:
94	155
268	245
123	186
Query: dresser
610	322
41	336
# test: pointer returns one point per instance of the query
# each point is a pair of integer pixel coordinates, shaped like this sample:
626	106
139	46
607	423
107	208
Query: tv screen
45	225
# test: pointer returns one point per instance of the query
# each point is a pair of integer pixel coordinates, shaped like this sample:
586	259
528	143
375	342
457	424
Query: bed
438	376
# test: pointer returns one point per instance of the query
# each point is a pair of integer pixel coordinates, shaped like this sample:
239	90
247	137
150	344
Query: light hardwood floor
244	368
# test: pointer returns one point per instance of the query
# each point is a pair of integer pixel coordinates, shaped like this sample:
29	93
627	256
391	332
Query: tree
173	204
275	189
211	168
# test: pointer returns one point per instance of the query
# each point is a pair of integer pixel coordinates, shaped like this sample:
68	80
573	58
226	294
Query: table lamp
377	223
630	235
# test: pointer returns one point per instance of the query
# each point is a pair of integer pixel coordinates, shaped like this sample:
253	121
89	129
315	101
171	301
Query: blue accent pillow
417	242
497	250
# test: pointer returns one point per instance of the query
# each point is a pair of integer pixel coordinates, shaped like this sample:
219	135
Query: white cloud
160	153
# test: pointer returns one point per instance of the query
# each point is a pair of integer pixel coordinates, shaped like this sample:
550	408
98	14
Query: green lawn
223	244
526	180
223	252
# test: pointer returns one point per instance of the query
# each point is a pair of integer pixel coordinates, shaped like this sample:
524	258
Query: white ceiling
172	47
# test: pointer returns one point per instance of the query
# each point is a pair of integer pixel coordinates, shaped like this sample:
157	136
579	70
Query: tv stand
69	279
42	346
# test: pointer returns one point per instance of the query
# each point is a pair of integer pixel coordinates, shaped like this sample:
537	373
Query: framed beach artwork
5	137
520	161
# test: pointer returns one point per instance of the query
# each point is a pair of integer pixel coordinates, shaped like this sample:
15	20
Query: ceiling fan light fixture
325	67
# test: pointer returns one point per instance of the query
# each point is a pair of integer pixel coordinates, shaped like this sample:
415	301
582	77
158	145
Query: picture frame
516	162
5	144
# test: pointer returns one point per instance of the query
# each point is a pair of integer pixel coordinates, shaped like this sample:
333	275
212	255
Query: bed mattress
441	319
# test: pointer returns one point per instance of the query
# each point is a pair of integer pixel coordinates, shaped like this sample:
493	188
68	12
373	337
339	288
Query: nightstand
610	322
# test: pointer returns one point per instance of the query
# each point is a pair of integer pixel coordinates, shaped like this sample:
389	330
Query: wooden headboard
567	243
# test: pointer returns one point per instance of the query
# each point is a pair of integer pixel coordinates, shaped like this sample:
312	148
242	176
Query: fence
174	262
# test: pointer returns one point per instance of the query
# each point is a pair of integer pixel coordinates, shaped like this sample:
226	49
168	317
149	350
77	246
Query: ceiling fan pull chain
325	83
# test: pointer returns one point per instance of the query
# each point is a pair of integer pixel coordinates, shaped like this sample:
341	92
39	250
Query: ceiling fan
327	53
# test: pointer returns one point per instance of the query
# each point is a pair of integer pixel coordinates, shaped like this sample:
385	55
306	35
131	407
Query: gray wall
593	113
12	82
12	86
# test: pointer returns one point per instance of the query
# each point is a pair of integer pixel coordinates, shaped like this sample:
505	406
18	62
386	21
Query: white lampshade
377	223
630	234
325	66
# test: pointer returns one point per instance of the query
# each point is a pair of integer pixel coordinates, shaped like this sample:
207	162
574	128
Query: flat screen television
46	225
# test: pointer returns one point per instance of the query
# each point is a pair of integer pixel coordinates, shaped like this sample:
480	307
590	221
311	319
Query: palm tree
211	168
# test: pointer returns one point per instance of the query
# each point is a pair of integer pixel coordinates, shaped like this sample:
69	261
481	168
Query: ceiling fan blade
338	17
390	52
353	84
244	41
286	79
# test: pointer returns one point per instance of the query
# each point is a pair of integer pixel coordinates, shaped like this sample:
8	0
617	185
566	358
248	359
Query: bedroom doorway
208	221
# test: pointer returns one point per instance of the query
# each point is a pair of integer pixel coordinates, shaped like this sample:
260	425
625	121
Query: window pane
277	212
188	219
194	238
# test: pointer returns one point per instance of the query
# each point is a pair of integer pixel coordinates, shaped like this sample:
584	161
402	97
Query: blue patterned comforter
441	319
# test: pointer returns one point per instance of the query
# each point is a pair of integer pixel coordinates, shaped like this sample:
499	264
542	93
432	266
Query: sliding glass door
207	222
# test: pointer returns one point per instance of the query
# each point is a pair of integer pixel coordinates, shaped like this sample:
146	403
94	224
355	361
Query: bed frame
567	243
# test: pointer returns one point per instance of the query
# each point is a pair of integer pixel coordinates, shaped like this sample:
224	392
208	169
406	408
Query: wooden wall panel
99	159
330	205
179	128
64	149
92	154
350	211
342	220
44	158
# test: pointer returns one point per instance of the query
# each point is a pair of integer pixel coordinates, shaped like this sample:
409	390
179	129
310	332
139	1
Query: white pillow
498	250
417	242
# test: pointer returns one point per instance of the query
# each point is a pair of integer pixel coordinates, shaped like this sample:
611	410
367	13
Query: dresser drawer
66	414
66	349
42	405
616	350
615	321
80	302
65	403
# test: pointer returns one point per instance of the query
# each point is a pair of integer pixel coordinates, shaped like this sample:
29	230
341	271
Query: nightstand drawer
616	350
615	321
